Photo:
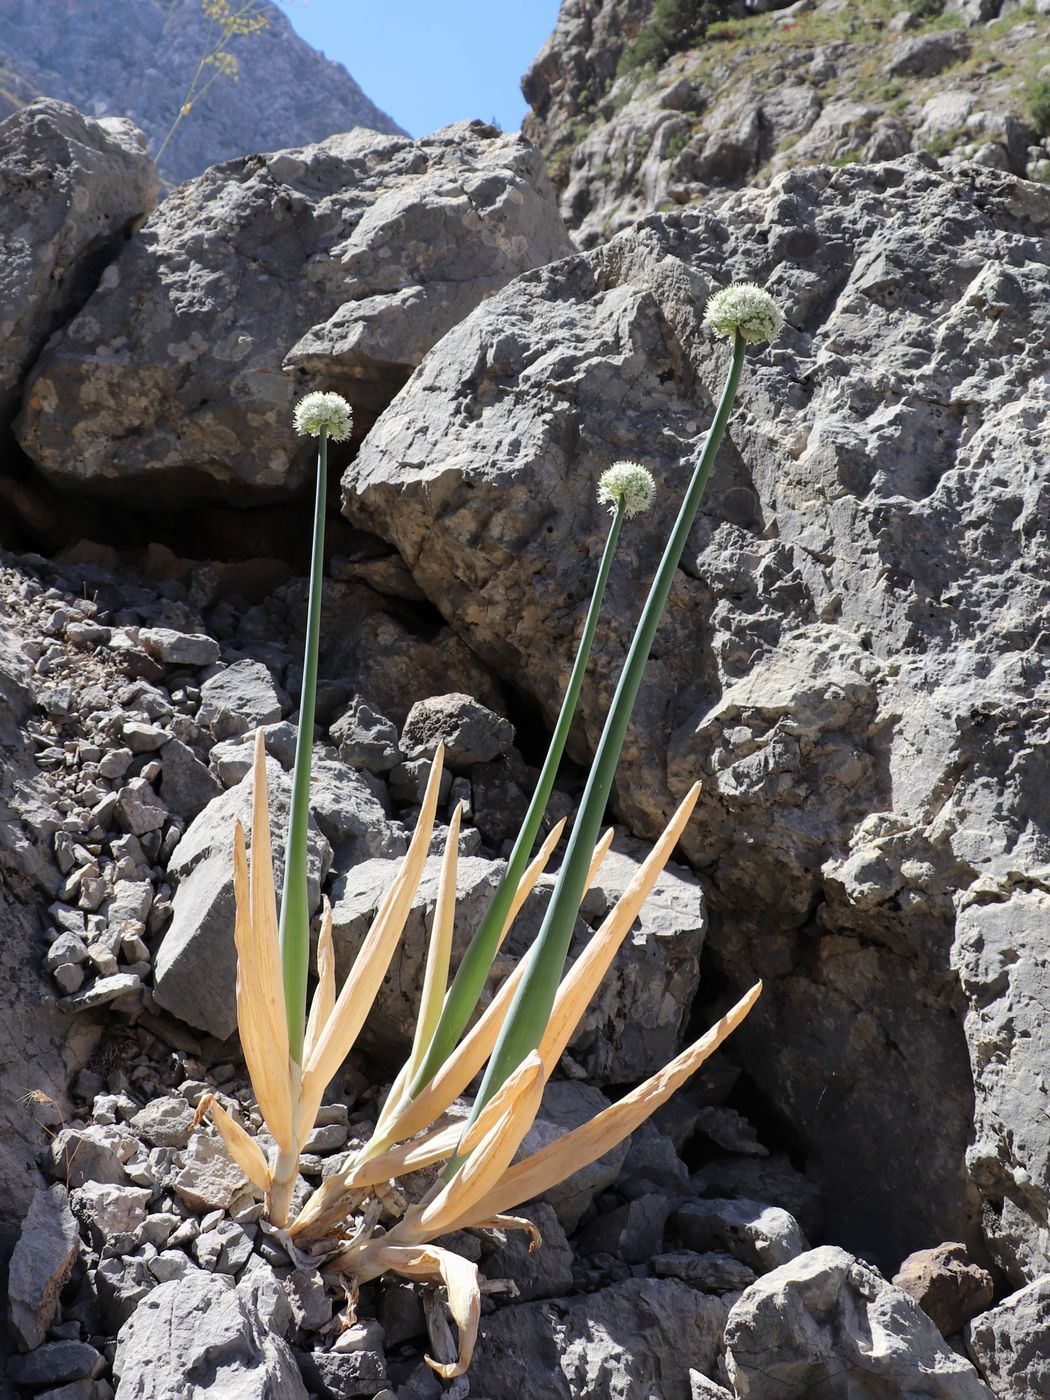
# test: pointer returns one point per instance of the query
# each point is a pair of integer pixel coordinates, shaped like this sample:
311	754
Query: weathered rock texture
201	1332
828	1324
847	659
71	191
343	261
823	81
594	1346
137	60
1010	1344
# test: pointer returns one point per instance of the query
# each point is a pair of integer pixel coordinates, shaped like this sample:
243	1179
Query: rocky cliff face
866	738
852	662
815	81
137	59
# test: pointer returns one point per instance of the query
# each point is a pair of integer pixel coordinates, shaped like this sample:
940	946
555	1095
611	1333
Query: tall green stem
295	907
470	977
531	1008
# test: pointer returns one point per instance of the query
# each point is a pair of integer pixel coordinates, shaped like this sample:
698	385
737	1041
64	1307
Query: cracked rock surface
342	262
850	657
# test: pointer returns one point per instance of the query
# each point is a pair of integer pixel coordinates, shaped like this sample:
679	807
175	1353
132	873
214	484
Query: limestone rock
763	1236
55	1362
71	190
105	1210
470	732
186	784
351	815
209	1179
238	699
365	739
568	1104
1010	1344
40	1265
999	951
629	1342
179	648
826	663
202	1332
828	1323
343	261
195	971
638	1017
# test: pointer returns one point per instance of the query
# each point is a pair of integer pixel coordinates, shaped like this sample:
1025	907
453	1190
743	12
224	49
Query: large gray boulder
343	261
845	655
828	1324
200	1334
71	191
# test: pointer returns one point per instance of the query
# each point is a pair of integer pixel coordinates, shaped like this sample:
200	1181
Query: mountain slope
632	123
137	59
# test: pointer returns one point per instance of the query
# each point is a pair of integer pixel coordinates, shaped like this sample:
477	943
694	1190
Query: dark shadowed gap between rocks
48	519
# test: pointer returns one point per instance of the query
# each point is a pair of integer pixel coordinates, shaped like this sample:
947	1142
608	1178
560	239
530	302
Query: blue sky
430	62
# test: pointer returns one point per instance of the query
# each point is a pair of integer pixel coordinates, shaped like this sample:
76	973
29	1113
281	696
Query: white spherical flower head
745	308
627	482
329	411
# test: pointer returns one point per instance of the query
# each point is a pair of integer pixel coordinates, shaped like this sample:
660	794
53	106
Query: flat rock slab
41	1263
196	969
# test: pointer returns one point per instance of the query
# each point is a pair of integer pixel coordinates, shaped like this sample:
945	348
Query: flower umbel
628	482
745	308
328	411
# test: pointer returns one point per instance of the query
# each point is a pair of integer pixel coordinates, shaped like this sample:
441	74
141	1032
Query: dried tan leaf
583	1145
324	993
491	1142
439	953
359	990
427	1264
261	1017
512	1222
327	1208
243	1148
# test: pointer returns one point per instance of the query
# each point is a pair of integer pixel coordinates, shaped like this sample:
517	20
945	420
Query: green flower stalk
628	489
322	416
748	315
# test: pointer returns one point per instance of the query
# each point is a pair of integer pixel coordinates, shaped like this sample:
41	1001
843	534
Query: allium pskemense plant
520	1036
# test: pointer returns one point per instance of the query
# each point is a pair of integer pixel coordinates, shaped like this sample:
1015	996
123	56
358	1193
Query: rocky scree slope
816	81
145	1263
137	59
